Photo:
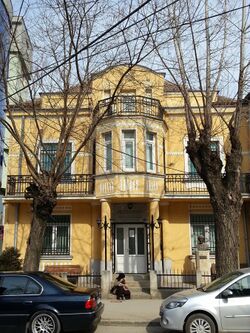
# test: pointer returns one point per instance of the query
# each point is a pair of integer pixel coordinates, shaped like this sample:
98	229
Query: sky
29	12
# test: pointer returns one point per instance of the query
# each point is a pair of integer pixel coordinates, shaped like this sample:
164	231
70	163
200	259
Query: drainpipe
20	160
246	237
16	225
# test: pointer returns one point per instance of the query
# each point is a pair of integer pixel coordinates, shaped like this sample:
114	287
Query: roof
223	100
246	99
101	72
170	87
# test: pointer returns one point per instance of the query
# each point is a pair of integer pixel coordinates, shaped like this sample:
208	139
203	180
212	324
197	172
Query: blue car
38	302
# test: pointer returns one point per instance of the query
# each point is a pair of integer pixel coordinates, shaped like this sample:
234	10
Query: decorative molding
200	207
174	153
163	203
128	185
62	208
107	187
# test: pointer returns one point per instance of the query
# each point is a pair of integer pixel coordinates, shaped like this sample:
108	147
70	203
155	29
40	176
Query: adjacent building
6	13
132	200
15	68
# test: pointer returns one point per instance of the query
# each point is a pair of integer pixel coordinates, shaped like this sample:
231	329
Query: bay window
128	143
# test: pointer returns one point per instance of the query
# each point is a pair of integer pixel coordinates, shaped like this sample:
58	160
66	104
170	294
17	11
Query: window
19	285
150	151
191	168
241	288
106	93
57	236
48	153
128	150
120	240
128	102
108	151
203	224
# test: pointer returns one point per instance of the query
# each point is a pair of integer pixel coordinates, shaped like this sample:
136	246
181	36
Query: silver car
221	306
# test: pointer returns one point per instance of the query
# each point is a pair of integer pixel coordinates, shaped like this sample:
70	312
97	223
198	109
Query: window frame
207	232
152	143
53	250
125	154
106	150
2	277
128	100
70	170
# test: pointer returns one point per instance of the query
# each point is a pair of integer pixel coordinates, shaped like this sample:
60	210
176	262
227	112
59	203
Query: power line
97	40
94	44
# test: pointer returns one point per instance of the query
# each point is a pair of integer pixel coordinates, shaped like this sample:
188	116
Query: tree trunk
44	201
227	216
225	195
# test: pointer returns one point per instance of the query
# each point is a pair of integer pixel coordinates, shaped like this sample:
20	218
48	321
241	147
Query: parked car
39	302
221	306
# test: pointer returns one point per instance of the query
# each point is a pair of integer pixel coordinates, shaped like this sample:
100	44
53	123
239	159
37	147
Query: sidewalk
134	312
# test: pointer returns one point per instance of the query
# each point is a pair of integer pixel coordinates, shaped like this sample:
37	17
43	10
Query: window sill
193	256
56	257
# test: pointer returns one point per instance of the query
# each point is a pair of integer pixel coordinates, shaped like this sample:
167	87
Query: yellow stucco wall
86	239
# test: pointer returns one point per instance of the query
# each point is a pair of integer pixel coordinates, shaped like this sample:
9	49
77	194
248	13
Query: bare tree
209	41
77	41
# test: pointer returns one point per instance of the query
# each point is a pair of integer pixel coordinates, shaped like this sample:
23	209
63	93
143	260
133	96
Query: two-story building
131	201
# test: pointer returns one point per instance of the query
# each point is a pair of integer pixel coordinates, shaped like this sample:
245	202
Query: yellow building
134	179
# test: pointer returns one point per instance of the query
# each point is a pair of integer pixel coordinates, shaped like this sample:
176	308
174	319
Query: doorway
130	248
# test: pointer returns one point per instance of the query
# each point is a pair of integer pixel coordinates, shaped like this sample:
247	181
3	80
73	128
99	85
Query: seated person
121	289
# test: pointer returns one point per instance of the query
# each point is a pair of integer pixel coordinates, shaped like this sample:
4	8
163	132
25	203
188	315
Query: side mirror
227	293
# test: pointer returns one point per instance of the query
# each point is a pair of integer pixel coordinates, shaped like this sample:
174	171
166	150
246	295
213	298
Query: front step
138	284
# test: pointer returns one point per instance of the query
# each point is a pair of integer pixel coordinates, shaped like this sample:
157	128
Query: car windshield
59	282
220	282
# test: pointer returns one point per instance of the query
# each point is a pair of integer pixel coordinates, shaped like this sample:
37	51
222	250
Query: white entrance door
130	248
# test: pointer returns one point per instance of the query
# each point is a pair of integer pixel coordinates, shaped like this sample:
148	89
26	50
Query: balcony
192	185
176	185
73	185
132	106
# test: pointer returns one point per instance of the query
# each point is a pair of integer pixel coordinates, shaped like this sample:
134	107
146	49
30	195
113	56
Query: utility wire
128	27
95	40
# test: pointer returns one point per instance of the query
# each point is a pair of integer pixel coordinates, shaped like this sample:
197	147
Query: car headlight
175	304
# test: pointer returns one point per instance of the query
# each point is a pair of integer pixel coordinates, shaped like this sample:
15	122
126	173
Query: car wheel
44	322
200	323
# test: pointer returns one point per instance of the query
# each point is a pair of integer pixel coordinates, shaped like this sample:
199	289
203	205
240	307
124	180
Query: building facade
15	67
132	200
6	13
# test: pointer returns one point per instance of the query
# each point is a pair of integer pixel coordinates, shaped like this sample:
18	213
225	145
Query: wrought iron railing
181	280
125	105
188	184
85	280
84	184
71	184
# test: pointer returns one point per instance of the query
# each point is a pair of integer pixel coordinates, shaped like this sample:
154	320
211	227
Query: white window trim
105	152
56	256
124	151
153	151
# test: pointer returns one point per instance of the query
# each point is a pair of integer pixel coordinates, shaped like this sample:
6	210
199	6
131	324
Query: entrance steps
138	284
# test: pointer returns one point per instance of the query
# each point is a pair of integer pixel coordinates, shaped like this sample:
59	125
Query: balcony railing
192	184
131	105
82	184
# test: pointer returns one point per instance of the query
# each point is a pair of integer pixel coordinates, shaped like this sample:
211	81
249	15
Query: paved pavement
130	329
134	312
